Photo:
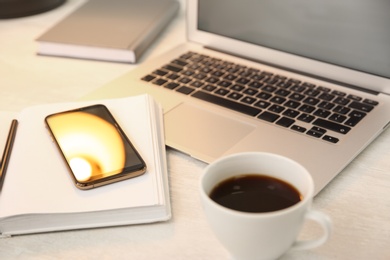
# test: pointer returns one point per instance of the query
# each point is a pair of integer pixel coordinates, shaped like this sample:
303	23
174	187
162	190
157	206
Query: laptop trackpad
202	134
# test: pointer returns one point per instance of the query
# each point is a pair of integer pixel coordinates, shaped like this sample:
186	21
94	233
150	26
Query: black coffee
255	193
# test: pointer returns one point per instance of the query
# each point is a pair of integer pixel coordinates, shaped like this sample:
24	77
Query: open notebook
39	196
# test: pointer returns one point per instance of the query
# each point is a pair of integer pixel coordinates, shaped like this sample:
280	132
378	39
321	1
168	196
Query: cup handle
326	225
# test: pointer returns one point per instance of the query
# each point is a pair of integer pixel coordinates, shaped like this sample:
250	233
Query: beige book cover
115	30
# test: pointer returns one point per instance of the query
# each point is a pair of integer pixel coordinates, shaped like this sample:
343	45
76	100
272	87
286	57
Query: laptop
308	80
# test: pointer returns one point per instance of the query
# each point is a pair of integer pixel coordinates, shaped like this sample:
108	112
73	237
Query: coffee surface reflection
255	193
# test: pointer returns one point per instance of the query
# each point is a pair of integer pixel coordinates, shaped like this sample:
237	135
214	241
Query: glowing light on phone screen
81	168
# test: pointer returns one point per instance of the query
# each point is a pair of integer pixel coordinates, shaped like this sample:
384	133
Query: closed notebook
116	30
39	195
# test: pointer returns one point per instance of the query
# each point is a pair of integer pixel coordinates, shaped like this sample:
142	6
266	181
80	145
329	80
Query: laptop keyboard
274	98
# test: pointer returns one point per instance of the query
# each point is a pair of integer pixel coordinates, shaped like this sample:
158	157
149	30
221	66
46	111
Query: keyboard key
200	76
355	117
297	96
230	77
233	70
298	88
262	104
252	111
295	81
224	83
248	100
221	92
173	76
251	91
323	89
269	88
331	126
337	118
298	128
326	105
148	78
160	72
309	85
218	73
264	95
172	68
322	113
268	116
284	84
341	101
306	108
185	80
280	77
187	73
292	104
276	108
193	66
306	118
206	70
187	55
357	114
371	102
285	121
341	110
291	113
197	84
179	62
354	97
311	101
171	85
212	80
209	88
326	96
243	81
271	81
278	100
237	87
330	139
339	93
314	133
185	90
266	73
246	73
361	106
258	77
235	96
318	129
159	82
283	92
312	92
256	84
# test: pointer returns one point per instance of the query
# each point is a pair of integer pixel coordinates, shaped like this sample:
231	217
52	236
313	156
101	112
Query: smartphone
94	147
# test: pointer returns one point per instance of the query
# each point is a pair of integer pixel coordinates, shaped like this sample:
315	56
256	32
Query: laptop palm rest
215	136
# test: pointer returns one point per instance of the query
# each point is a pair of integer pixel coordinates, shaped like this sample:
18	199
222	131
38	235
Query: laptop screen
352	33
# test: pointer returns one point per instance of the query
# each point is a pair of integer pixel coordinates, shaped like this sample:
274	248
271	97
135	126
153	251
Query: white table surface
358	200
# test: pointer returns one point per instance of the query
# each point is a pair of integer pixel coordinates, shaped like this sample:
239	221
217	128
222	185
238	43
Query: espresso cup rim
269	214
307	197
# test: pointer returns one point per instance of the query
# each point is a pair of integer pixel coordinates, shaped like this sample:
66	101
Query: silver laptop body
208	131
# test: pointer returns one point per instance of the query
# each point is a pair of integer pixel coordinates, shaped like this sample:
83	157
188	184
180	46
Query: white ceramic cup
261	235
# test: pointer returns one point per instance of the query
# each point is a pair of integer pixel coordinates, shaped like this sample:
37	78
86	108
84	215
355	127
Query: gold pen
7	151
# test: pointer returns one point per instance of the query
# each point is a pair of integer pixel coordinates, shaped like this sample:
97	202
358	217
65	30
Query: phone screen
95	148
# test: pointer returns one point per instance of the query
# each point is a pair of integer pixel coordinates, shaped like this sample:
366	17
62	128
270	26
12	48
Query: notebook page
38	181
